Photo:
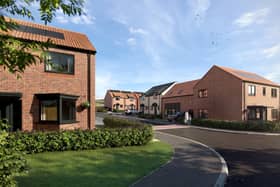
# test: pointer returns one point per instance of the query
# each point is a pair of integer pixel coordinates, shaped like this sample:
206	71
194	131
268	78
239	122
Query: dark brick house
49	95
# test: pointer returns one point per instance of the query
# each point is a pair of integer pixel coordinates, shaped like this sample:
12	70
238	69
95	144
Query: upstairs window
59	63
203	93
251	90
264	91
117	98
273	92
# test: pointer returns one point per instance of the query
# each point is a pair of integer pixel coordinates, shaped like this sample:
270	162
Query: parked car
174	117
131	112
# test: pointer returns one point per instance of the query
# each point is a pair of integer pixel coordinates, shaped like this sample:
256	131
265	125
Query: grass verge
101	167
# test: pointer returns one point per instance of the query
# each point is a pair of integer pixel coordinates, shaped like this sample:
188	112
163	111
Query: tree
16	54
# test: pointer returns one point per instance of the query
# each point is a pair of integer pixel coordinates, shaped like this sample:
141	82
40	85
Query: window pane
61	63
49	110
68	110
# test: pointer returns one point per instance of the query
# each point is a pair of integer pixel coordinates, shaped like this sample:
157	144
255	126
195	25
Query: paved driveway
253	160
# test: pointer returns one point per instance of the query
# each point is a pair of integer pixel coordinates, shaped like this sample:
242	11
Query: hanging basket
85	104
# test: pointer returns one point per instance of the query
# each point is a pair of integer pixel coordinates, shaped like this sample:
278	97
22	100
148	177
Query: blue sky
147	42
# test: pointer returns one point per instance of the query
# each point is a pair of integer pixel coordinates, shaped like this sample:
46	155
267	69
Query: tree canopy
17	54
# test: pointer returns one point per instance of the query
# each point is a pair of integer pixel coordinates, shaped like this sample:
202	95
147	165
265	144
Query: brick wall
35	80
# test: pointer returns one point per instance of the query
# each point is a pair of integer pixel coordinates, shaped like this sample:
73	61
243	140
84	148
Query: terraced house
226	94
122	100
51	95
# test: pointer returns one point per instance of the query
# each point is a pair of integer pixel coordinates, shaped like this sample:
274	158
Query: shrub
100	109
37	142
149	116
113	122
261	126
12	163
115	110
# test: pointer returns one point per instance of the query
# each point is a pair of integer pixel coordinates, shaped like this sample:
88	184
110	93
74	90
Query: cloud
120	19
131	41
85	19
62	19
249	18
104	81
133	30
274	76
272	51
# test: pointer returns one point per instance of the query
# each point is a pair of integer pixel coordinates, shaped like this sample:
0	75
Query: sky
148	42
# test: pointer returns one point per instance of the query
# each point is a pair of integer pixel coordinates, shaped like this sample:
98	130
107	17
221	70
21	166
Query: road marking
224	170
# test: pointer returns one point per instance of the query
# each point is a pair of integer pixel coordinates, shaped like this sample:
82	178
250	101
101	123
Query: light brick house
230	94
49	95
150	102
122	100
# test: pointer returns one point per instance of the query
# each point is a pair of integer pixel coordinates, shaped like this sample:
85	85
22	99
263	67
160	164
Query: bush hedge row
114	122
37	142
12	162
259	126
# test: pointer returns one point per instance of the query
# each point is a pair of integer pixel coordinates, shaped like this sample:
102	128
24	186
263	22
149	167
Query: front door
10	111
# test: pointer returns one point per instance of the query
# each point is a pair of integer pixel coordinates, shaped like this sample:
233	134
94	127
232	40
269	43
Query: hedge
259	126
115	122
37	142
12	162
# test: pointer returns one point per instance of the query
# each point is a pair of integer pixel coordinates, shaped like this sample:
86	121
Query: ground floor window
172	108
49	110
203	113
275	114
57	108
256	113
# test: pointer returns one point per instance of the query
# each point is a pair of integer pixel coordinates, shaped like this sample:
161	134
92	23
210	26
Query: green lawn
102	167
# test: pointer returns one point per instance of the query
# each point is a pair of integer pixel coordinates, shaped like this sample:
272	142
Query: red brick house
122	100
50	95
179	98
225	94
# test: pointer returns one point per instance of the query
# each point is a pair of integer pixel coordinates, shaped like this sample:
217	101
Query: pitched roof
41	33
248	76
123	94
157	90
181	89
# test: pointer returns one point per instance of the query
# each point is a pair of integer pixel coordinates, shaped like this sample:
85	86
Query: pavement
252	159
193	164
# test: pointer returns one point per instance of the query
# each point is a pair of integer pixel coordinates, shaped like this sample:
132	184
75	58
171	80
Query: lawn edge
155	170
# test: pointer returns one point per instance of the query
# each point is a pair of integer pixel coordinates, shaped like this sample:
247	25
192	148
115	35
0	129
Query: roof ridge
42	25
188	81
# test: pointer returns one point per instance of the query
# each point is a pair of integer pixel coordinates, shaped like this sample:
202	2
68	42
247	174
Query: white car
131	112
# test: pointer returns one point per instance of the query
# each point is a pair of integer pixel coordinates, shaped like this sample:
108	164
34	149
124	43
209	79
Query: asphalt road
253	160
